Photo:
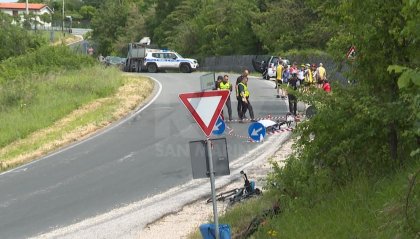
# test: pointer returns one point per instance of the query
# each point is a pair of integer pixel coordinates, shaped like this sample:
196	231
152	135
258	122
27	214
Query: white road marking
134	114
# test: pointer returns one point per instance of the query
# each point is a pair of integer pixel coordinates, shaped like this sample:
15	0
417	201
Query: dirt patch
128	97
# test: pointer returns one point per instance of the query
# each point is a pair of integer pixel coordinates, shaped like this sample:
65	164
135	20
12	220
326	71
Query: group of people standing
241	92
307	75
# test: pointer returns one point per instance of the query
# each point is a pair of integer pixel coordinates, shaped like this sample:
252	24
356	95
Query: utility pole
27	8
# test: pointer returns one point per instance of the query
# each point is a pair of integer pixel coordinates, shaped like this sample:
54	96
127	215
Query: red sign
351	53
90	51
205	107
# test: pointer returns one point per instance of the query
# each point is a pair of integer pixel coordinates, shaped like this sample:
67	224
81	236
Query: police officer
244	99
226	85
238	97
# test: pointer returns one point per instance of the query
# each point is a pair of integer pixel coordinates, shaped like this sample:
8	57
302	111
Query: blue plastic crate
207	231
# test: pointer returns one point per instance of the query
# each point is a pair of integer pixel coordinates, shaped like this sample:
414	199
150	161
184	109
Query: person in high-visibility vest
309	79
279	76
244	99
238	97
226	85
321	74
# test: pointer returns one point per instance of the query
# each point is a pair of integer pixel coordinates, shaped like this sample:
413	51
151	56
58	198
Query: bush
44	60
347	138
16	40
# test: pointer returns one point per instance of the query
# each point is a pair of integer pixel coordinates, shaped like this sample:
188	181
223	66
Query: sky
8	0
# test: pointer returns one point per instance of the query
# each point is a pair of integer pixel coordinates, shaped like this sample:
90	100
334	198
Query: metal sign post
207	82
213	190
205	108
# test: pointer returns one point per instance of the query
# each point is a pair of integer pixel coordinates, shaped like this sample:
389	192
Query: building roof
22	6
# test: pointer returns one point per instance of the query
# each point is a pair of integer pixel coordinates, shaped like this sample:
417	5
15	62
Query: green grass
364	209
53	97
57	37
103	113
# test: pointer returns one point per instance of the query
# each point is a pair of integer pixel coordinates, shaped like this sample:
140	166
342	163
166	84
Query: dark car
115	61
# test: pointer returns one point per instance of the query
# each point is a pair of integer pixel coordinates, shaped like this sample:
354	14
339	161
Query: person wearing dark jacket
217	82
293	84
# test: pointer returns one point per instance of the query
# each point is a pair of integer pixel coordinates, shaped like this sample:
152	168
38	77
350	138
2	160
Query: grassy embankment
365	209
48	111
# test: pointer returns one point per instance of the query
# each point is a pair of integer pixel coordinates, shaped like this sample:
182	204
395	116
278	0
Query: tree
370	127
87	12
162	10
408	72
116	22
367	30
94	3
208	28
176	30
289	24
15	40
135	28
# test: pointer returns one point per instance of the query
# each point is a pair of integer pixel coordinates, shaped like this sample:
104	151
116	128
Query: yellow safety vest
321	72
308	77
279	72
224	86
246	92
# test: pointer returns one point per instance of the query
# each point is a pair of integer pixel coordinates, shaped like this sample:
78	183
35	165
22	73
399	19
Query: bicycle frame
238	194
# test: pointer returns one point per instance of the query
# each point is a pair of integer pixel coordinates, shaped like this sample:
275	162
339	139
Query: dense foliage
15	40
203	28
370	127
80	11
199	28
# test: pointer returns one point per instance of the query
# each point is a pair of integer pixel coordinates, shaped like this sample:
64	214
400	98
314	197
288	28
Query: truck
141	57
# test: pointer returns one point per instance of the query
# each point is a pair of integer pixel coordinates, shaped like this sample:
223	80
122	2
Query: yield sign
205	107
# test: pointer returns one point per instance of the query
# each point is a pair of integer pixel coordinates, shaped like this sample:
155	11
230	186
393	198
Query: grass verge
365	209
67	107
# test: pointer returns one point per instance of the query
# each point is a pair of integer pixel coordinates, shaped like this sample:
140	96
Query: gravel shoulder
187	220
178	212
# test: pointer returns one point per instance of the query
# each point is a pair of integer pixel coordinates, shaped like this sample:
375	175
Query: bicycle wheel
244	195
223	195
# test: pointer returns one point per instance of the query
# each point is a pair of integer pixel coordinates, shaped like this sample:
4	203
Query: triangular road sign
205	107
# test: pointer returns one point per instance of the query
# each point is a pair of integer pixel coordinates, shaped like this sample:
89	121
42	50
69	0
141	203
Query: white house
19	9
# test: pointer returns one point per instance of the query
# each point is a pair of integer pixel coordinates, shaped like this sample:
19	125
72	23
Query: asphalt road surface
140	156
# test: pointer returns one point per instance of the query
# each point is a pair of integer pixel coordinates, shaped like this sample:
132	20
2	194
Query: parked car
268	67
141	57
115	61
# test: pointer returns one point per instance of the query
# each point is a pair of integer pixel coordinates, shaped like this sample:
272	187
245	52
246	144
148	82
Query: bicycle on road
238	194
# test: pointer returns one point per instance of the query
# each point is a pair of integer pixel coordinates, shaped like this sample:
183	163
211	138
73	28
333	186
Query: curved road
138	157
